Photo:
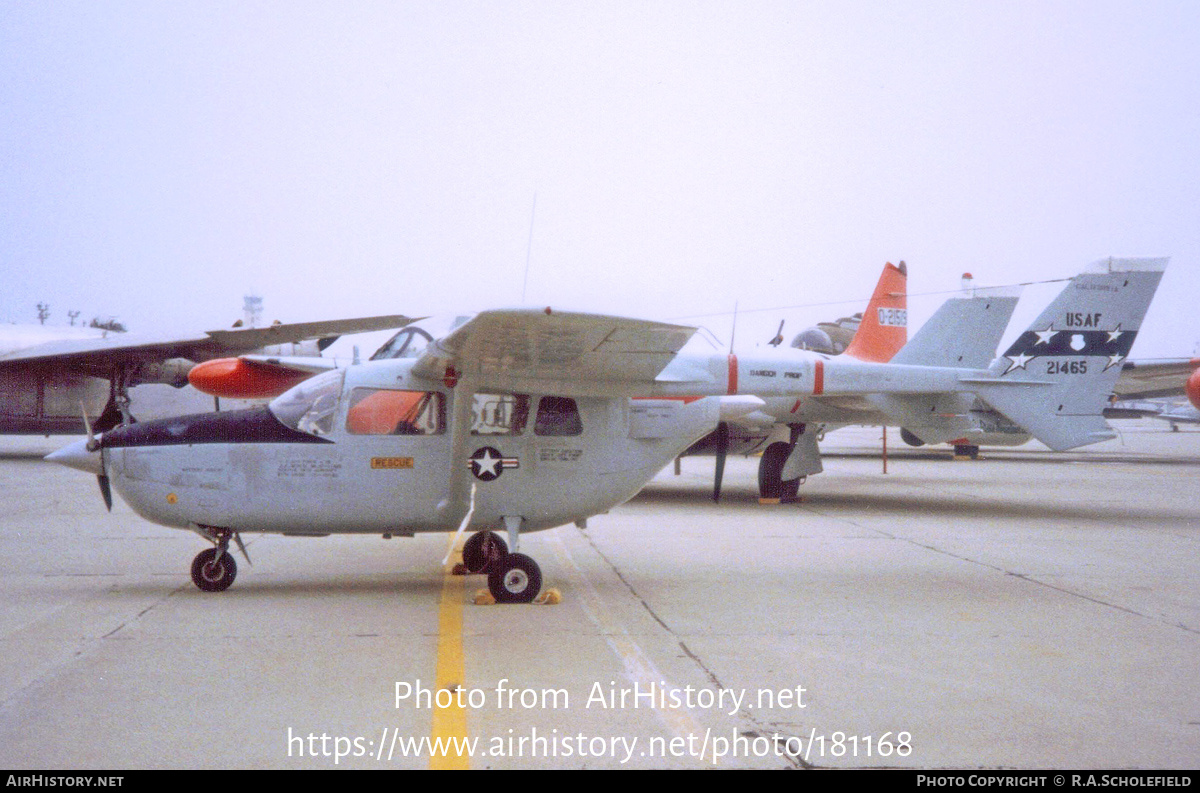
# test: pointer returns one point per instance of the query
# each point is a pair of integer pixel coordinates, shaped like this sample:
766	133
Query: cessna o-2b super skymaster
528	426
442	442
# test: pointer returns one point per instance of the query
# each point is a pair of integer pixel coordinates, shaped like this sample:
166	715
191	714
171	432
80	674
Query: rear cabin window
557	416
500	414
381	411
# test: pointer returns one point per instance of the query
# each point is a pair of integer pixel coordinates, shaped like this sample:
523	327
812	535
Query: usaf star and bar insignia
1080	336
487	463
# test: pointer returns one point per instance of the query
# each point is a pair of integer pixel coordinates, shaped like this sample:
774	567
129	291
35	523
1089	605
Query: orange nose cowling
234	378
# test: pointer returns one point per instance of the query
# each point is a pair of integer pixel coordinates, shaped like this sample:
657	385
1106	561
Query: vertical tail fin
1056	377
884	327
964	332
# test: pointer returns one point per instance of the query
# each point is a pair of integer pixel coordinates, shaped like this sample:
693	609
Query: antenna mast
529	248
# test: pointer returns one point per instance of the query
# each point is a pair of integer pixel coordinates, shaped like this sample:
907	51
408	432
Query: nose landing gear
213	569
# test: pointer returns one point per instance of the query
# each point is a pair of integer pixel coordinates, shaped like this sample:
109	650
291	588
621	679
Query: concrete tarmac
1026	610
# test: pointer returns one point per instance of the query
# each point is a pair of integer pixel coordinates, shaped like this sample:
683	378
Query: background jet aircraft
50	376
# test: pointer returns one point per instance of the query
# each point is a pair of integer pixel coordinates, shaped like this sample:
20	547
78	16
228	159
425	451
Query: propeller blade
775	342
722	448
105	491
93	445
87	426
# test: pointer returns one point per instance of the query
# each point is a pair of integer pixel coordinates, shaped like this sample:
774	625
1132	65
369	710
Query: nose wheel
213	570
515	579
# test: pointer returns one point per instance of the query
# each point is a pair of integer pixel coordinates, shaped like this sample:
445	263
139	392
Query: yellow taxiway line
450	723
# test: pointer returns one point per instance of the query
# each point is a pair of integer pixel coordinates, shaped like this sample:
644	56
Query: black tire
790	489
516	579
211	574
482	550
770	469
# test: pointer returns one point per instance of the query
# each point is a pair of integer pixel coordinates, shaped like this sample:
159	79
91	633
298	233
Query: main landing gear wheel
515	579
213	570
770	469
483	550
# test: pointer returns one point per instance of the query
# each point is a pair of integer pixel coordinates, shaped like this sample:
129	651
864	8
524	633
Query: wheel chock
770	500
459	569
548	597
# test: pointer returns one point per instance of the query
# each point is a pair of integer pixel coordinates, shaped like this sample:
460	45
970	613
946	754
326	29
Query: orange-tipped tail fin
884	327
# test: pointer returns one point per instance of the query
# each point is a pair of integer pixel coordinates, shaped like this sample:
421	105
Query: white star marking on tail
1044	336
1018	362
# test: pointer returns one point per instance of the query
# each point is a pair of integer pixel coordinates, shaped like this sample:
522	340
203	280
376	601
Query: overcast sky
162	159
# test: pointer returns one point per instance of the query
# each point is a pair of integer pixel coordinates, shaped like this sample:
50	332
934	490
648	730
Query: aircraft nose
76	455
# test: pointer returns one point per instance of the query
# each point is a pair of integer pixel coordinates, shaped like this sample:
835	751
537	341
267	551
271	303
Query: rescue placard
391	462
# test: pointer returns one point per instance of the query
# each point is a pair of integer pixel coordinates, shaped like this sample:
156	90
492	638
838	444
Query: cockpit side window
557	416
311	405
382	411
500	414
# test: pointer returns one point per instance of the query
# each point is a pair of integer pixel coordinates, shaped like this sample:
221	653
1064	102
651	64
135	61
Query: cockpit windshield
409	342
310	406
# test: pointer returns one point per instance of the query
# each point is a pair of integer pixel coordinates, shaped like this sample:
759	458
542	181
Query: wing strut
457	503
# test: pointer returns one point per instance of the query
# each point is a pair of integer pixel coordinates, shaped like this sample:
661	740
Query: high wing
564	353
1154	377
567	353
99	356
